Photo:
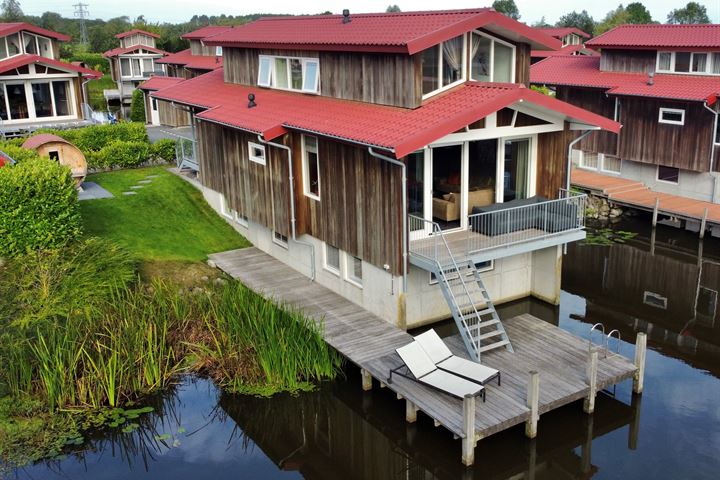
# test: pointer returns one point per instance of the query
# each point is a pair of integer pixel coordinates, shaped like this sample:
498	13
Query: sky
176	11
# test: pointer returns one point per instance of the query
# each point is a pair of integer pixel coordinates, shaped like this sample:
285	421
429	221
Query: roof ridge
414	13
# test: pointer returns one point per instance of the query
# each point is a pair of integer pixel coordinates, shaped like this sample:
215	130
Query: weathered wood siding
552	162
171	116
197	48
595	101
628	60
258	191
522	63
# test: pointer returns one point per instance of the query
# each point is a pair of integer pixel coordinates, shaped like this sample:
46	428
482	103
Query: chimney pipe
651	78
251	100
346	16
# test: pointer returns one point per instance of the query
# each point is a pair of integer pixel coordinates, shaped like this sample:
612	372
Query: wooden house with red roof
661	82
37	89
399	159
573	43
131	63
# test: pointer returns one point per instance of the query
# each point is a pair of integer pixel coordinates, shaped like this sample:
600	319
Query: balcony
500	231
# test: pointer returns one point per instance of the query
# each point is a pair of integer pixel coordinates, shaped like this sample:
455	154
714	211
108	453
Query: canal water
664	284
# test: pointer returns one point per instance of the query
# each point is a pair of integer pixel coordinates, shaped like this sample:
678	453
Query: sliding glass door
516	181
448	205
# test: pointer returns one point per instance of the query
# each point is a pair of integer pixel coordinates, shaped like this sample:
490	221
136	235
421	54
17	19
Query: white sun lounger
424	371
443	358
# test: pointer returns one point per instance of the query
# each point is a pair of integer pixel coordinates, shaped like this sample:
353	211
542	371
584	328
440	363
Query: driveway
156	132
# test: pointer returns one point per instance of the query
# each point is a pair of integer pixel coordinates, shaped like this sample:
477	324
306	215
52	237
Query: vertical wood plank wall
596	101
171	116
636	61
552	162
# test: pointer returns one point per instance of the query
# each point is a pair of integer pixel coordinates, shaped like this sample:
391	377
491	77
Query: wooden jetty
549	368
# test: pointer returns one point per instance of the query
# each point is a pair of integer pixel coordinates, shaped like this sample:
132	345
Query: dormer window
289	73
443	65
696	63
492	60
25	42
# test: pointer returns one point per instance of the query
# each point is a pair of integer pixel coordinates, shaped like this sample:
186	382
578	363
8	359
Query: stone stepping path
136	187
145	181
129	193
152	176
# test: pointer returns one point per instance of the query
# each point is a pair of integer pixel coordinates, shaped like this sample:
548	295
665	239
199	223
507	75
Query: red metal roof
583	71
659	36
38	140
560	32
565	51
158	83
404	32
204	32
123	50
10	28
194	62
25	59
398	130
134	31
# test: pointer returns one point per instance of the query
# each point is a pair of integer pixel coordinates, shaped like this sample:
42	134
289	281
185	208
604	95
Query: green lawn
167	220
95	92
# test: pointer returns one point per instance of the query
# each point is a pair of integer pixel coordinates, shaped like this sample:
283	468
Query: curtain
452	60
480	58
521	154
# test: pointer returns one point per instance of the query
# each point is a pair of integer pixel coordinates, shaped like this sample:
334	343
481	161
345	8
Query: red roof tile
158	83
398	130
583	71
25	59
10	28
559	32
404	32
659	36
134	31
194	62
565	51
123	50
204	32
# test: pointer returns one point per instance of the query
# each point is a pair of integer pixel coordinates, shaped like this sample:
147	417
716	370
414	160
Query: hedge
164	149
95	137
137	106
38	206
93	60
121	154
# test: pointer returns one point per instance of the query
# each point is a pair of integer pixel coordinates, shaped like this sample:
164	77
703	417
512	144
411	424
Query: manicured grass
167	220
95	92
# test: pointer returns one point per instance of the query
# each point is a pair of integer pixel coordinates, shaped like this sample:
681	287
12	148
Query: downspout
569	157
712	149
85	97
292	203
404	211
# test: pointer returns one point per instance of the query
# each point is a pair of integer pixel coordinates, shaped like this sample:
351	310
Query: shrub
122	154
93	60
38	206
18	153
96	137
137	107
165	149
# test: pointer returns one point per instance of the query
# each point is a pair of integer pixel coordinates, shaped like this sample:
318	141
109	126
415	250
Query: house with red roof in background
37	89
573	43
398	159
134	61
661	82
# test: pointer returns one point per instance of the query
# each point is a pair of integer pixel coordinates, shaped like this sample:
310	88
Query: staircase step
488	323
493	346
489	335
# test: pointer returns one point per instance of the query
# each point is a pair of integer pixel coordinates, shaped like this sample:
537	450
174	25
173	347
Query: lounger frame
410	376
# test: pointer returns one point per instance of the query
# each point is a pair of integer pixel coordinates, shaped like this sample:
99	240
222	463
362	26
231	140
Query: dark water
340	432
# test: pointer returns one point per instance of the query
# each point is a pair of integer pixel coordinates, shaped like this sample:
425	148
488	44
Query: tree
692	13
638	14
616	17
137	106
393	9
507	7
542	23
11	11
581	20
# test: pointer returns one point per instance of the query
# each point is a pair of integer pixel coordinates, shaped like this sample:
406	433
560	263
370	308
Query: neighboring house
133	62
375	152
197	59
573	43
661	82
161	112
36	88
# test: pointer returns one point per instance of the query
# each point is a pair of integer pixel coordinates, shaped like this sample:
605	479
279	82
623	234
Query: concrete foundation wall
697	185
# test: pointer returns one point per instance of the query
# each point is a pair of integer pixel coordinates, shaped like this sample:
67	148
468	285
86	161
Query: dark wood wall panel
197	48
597	102
522	63
552	162
628	60
171	116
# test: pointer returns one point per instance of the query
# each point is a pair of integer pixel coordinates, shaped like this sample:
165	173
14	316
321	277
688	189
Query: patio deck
561	359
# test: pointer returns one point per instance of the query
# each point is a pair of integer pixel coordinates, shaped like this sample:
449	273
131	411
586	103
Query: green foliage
393	9
119	153
11	11
507	7
635	13
542	23
543	89
607	237
92	60
13	149
581	20
164	148
692	13
38	206
137	107
638	14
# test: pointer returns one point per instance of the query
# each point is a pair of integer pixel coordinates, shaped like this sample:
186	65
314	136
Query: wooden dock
563	363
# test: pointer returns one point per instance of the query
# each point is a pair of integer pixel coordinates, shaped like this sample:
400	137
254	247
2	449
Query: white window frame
663	300
326	265
28	81
465	73
492	56
671	110
262	160
709	64
218	51
279	241
581	162
270	78
241	220
141	58
657	175
306	169
225	211
601	162
349	270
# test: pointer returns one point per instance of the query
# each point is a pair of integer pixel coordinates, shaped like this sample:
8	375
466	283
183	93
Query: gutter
404	211
569	156
292	202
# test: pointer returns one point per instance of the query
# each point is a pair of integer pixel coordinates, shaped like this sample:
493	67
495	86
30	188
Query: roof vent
346	16
251	100
651	78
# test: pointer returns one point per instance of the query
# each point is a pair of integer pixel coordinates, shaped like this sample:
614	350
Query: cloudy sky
182	10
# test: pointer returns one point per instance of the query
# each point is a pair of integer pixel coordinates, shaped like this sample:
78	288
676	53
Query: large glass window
664	61
311	167
30	44
480	55
682	61
490	59
281	72
45	47
703	63
3	104
699	62
42	100
125	70
517	166
13	44
443	64
416	187
61	93
430	70
135	67
17	101
147	66
503	63
289	73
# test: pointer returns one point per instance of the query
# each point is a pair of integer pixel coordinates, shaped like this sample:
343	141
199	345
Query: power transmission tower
81	12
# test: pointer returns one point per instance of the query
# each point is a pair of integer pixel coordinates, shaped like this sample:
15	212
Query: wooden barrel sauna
60	150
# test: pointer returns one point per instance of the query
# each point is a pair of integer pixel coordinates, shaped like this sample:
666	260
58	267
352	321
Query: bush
38	207
164	148
93	60
95	137
137	107
122	154
18	153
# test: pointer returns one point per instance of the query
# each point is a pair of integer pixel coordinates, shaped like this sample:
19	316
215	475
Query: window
699	62
668	174
311	167
42	100
3	104
354	270
30	44
13	44
682	62
225	209
125	69
611	163
17	101
715	63
673	116
256	153
218	51
61	95
280	239
491	60
703	63
664	62
136	72
655	300
147	65
717	130
241	219
706	302
589	159
54	155
289	73
443	65
332	259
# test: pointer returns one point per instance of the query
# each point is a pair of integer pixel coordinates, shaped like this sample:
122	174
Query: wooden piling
634	430
401	312
533	402
468	443
592	369
655	212
410	411
366	379
640	352
703	223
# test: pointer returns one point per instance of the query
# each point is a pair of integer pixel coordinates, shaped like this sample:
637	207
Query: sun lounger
442	357
422	370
